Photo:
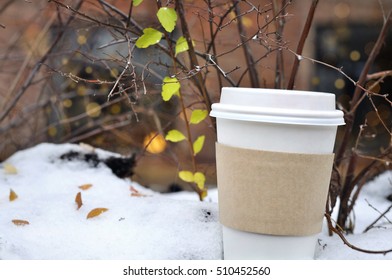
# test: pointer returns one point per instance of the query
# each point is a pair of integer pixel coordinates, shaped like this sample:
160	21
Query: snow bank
145	226
139	223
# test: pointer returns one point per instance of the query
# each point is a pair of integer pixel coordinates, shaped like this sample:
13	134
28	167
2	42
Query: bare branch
253	75
267	23
347	243
36	68
75	11
279	73
382	215
379	75
301	43
191	52
359	87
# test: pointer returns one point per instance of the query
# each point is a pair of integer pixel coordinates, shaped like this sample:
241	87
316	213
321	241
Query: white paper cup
280	121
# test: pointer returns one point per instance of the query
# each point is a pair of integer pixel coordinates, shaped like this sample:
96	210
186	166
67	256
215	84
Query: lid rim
281	120
277	115
254	110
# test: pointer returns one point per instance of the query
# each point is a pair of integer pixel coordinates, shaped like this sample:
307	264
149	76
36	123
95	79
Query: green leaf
150	37
137	2
198	116
182	45
198	144
168	18
175	136
170	87
200	179
186	176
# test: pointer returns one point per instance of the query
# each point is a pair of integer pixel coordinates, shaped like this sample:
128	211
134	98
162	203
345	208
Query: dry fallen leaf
135	192
13	195
78	200
9	168
20	222
85	186
96	212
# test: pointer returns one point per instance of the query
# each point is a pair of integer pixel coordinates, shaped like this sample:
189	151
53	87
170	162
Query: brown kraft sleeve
272	192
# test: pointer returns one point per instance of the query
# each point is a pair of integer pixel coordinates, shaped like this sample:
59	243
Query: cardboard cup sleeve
273	193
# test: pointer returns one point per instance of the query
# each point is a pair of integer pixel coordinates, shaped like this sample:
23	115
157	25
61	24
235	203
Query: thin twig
124	16
211	27
357	93
301	43
373	54
75	11
379	212
379	75
27	60
253	75
279	77
126	68
382	10
219	25
129	14
347	243
191	51
349	118
37	67
382	215
378	114
267	23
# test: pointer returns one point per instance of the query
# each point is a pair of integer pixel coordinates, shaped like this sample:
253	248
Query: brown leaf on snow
85	186
135	192
20	222
96	212
78	200
9	168
13	195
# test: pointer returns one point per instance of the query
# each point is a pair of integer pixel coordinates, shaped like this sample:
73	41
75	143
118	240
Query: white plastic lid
278	106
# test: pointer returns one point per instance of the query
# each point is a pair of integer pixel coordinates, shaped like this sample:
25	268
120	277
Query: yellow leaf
9	168
203	194
198	144
170	87
175	136
199	179
96	212
13	195
168	18
198	116
150	37
182	45
78	200
137	2
85	186
186	176
20	222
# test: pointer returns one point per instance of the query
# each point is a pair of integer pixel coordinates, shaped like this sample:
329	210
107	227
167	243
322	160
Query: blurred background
58	68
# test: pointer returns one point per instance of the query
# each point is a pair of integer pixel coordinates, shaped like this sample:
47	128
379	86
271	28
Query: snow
139	223
371	201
